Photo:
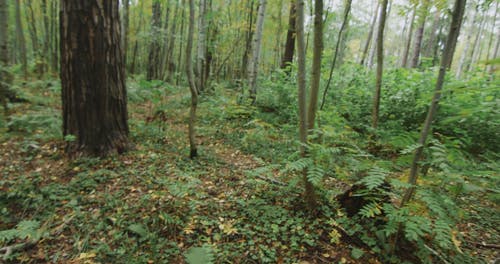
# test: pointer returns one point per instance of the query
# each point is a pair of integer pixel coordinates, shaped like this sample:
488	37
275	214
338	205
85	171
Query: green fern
375	178
315	175
370	210
24	230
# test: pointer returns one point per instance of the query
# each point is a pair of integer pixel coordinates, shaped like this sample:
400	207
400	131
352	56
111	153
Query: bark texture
192	84
253	68
380	65
92	77
290	39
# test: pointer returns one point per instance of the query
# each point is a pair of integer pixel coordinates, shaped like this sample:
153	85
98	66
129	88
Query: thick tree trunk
370	36
404	62
380	65
316	64
340	37
254	62
457	16
154	48
92	77
290	40
21	40
192	84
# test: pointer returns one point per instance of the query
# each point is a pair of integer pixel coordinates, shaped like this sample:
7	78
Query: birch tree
254	62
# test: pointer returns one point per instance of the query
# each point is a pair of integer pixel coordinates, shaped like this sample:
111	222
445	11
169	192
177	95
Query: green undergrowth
240	202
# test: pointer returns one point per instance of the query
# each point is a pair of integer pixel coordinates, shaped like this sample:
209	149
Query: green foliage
199	255
26	229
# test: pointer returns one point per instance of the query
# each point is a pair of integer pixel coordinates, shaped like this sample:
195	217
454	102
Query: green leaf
357	253
139	230
199	255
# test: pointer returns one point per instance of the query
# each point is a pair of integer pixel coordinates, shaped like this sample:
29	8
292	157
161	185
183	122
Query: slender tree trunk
492	35
347	11
32	28
495	55
309	194
169	61
4	52
316	64
249	37
370	36
93	77
290	40
404	62
458	12
54	47
136	43
468	42
21	40
202	45
419	34
253	68
373	48
154	49
380	65
476	48
164	43
192	83
431	42
46	38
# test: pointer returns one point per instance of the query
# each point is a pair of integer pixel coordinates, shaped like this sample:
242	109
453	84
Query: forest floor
155	205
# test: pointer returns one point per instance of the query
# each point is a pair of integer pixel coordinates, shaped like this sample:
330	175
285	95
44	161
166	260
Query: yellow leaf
87	255
456	242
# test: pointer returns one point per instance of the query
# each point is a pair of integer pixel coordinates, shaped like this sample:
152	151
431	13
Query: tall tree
380	64
309	194
192	84
254	62
340	37
21	40
419	34
290	40
457	16
364	54
202	45
404	62
155	47
93	77
4	52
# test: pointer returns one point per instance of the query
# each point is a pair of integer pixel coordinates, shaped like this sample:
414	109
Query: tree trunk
458	12
373	48
309	194
4	52
136	43
347	11
404	62
431	42
46	38
290	40
370	36
32	28
169	61
54	35
154	48
249	36
192	85
419	34
21	40
476	50
380	65
202	40
92	77
490	41
254	62
465	52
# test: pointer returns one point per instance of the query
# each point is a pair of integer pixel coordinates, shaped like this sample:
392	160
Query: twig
436	254
484	245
